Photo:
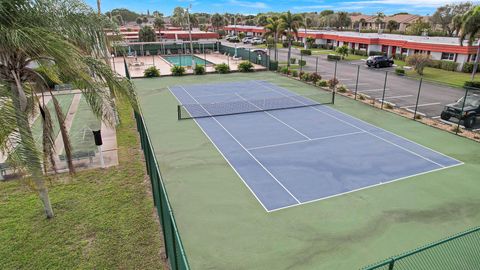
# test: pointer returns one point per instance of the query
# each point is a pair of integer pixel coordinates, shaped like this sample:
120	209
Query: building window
448	56
362	46
472	57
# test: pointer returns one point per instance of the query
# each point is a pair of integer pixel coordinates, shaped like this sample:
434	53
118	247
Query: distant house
370	22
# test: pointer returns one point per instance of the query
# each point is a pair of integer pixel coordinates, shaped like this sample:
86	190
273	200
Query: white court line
302	141
383	139
241	145
374	90
228	94
221	153
421	105
366	187
294	129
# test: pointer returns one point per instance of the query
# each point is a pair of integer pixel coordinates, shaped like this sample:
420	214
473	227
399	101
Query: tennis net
200	110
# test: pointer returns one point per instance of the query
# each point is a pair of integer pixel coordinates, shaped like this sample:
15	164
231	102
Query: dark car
379	61
471	109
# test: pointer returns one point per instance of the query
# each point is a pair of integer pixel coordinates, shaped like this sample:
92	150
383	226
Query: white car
257	40
247	40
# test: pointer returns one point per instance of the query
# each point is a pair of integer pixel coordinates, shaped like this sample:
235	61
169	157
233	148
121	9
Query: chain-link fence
173	244
461	251
256	56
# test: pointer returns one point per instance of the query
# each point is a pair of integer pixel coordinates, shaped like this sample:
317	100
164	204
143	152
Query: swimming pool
185	60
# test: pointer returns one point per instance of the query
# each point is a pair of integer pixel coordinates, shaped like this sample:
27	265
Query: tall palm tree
470	29
290	23
379	19
159	24
99	7
273	29
66	39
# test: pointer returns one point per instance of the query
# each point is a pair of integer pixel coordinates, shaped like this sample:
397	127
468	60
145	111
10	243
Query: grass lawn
456	79
104	218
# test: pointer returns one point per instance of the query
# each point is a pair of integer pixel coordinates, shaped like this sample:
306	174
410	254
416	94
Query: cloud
313	7
257	5
416	3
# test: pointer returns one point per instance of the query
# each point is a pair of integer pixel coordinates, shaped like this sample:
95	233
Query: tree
241	35
392	25
178	18
273	29
310	41
290	23
362	23
139	21
444	15
144	19
418	27
342	50
127	15
343	20
99	6
326	12
379	19
470	30
250	22
146	34
159	24
217	21
418	62
66	39
262	20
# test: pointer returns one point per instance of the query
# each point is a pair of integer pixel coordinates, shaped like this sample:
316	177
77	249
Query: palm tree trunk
275	40
26	138
475	65
289	51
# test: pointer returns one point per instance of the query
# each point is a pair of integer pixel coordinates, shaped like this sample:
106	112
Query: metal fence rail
460	251
173	244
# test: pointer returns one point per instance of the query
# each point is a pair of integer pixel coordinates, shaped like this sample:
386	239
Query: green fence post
300	63
391	264
316	65
384	88
418	97
356	83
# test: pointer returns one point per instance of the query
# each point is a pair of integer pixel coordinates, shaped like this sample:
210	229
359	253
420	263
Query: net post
384	88
334	80
391	264
301	60
316	65
418	97
356	83
179	114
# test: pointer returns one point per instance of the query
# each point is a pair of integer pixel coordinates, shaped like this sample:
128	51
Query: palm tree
290	23
217	21
379	19
99	7
159	24
392	25
470	29
362	23
65	38
273	29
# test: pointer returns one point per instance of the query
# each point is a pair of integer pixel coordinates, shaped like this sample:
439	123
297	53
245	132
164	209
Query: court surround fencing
461	251
172	242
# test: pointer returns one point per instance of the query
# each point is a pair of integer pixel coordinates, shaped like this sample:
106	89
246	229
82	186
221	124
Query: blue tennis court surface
301	154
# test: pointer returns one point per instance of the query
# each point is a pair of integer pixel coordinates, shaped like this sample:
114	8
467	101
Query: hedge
373	53
306	52
468	67
474	84
400	71
333	57
302	63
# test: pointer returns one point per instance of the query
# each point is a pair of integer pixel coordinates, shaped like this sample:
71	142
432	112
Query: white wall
436	55
320	41
376	48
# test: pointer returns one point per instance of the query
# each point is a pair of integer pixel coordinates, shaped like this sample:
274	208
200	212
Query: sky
420	7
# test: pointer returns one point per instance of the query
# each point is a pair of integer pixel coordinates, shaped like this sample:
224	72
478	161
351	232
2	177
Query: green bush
294	73
315	77
474	84
332	83
352	51
305	77
273	65
285	44
361	52
399	71
322	83
199	70
334	57
373	53
151	72
245	66
284	70
297	43
435	64
293	60
342	89
302	63
222	68
177	70
449	65
306	52
468	67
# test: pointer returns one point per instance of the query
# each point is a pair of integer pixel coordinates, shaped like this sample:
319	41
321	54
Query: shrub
418	116
361	52
284	70
315	77
297	43
245	66
474	84
305	77
332	83
300	74
177	70
222	68
399	71
151	72
322	83
449	65
273	65
199	70
342	50
418	61
294	73
468	67
352	51
334	57
361	97
435	64
342	89
293	60
302	63
306	52
285	44
373	53
387	105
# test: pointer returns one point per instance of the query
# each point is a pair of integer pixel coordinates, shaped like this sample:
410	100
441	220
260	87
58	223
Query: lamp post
190	36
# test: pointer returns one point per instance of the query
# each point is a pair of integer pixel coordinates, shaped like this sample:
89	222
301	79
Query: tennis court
289	150
223	226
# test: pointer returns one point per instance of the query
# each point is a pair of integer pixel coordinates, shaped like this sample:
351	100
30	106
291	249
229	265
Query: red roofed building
130	34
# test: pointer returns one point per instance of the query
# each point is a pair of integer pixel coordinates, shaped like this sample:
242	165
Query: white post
102	162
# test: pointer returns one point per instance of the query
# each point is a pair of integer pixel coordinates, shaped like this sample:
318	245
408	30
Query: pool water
185	60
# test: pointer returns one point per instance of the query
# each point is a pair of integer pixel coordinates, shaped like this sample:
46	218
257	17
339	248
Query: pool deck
138	66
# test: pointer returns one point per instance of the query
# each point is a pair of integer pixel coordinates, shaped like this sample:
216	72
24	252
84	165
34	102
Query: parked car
257	40
234	39
230	37
259	51
379	61
247	40
471	109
